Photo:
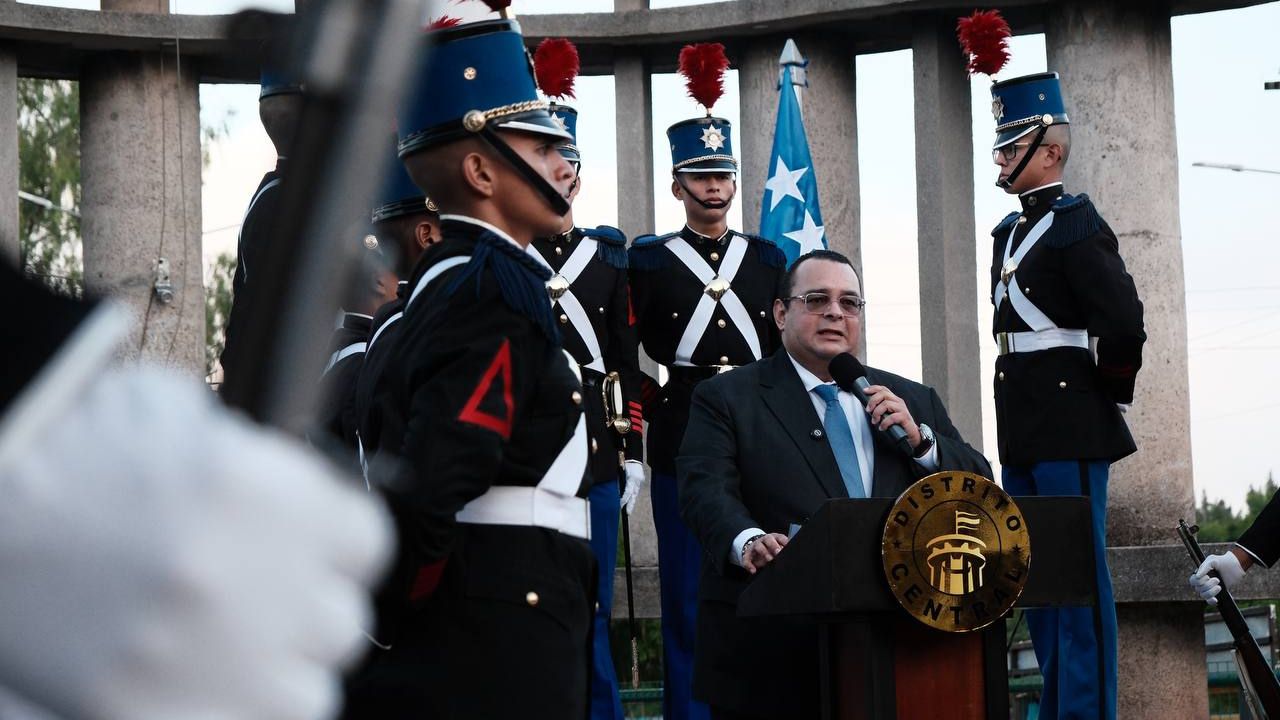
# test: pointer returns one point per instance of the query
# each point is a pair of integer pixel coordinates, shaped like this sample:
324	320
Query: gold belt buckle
721	369
1002	339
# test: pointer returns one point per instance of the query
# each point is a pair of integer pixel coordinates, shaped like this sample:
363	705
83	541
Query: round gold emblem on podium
956	551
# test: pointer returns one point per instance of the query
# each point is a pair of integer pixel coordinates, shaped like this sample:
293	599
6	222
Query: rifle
1256	674
618	420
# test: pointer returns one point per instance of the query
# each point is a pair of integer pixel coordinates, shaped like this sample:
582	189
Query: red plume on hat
984	35
499	6
555	66
703	66
442	22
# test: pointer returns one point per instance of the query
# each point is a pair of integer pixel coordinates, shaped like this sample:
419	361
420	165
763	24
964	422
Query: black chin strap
1022	165
700	201
539	183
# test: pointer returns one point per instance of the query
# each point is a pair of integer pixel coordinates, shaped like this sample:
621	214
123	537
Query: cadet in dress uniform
279	105
1058	280
491	499
702	298
591	302
405	224
374	287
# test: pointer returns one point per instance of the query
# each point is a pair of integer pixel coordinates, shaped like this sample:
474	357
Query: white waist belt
529	506
1031	341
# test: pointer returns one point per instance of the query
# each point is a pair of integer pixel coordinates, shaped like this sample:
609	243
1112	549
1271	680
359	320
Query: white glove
163	558
1229	571
634	470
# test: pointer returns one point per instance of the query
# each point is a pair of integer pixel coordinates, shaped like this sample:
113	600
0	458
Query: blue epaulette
611	245
646	252
521	279
1074	219
769	252
1001	231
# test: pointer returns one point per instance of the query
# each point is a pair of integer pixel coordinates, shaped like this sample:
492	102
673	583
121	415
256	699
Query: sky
1230	237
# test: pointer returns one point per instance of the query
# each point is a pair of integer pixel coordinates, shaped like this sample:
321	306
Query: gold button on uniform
1000	375
1063	384
715	257
594	445
1026	291
724	359
601	310
720	322
576	397
559	250
762	314
531	597
563	318
1021	220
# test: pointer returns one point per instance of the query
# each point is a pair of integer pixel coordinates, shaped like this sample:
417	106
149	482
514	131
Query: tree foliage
1219	522
49	167
217	308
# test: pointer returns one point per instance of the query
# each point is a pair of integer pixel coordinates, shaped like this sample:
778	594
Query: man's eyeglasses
1008	152
818	302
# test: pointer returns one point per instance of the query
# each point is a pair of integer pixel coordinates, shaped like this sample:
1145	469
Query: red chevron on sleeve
486	390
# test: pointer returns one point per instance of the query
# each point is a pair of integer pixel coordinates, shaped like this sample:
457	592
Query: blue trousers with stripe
679	566
605	702
1075	646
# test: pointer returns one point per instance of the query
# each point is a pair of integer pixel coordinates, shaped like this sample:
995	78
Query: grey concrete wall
1115	62
830	122
9	242
949	334
140	164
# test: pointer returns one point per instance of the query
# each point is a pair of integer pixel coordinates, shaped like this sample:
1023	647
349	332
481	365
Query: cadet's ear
676	190
478	174
424	234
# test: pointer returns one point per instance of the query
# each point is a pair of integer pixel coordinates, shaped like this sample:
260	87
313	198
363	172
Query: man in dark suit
766	445
1259	545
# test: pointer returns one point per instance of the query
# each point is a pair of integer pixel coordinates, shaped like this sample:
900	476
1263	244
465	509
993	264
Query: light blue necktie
841	439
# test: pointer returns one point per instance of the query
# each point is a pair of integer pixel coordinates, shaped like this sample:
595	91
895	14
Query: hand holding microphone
888	412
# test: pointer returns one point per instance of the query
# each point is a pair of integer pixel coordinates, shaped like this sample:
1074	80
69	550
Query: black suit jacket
750	458
1262	539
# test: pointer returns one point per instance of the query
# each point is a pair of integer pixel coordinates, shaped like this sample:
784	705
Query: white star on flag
810	236
783	184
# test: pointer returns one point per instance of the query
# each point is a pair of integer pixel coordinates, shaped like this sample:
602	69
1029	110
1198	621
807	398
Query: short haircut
1060	134
279	115
789	278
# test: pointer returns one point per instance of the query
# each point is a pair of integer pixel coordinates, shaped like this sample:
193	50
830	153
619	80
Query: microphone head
845	369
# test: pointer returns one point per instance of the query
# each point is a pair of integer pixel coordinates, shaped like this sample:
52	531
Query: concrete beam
140	169
54	42
949	334
1144	578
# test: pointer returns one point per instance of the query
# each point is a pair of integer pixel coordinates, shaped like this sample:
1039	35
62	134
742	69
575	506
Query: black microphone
851	376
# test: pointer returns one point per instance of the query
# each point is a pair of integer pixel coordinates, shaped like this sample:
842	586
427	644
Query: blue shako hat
399	196
702	145
475	77
568	117
1025	104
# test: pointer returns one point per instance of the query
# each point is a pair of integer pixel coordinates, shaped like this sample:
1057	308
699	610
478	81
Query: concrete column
632	87
9	241
949	338
1115	64
830	122
140	177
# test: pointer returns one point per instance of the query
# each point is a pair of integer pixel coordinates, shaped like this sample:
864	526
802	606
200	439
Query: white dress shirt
859	423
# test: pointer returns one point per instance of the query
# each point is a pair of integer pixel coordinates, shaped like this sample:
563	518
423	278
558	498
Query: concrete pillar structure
830	122
1118	82
140	164
949	337
634	111
9	241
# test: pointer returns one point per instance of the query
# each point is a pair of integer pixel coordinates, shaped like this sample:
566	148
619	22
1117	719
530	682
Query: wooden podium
879	663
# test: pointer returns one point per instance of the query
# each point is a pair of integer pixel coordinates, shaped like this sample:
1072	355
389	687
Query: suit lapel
889	478
787	399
